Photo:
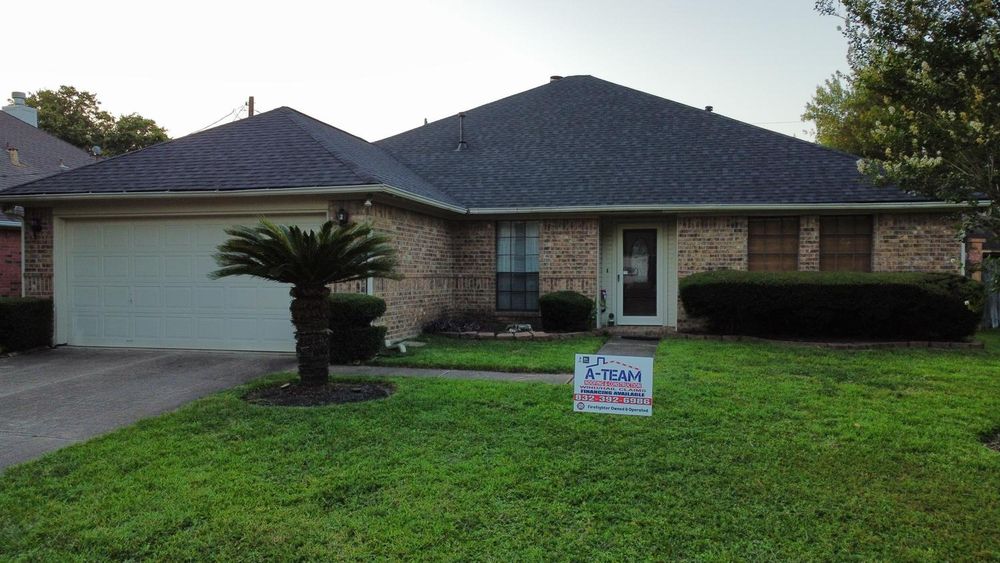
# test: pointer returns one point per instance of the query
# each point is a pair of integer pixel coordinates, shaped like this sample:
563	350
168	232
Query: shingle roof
578	141
39	152
583	141
281	148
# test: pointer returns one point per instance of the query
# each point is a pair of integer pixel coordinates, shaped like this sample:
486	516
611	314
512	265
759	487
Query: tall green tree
76	117
928	72
310	261
844	116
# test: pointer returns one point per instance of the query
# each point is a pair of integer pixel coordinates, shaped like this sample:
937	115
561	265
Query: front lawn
755	451
538	356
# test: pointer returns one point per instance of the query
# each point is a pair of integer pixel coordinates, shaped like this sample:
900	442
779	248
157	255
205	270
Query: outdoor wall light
342	216
36	225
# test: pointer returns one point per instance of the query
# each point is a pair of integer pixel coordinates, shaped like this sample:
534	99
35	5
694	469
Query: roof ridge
353	166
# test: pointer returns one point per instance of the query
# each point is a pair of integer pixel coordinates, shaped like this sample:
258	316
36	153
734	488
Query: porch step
641	331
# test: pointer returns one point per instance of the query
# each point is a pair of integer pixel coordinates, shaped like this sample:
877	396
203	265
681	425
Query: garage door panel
147	267
117	236
145	283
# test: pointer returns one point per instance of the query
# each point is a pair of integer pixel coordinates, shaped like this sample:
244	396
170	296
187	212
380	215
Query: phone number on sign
613	399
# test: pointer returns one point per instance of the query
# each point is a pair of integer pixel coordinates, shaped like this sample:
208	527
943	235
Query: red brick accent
916	242
10	262
38	253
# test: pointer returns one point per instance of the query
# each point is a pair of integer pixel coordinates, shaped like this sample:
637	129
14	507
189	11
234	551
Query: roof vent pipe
554	77
462	145
709	109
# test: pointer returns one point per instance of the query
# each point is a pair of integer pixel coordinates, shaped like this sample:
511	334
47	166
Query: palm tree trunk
311	317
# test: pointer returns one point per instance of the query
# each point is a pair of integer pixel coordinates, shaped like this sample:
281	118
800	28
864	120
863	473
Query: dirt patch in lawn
992	439
333	393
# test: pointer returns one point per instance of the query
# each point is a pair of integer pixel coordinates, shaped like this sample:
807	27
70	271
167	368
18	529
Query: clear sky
378	67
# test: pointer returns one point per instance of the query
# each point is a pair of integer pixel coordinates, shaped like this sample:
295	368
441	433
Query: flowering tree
927	75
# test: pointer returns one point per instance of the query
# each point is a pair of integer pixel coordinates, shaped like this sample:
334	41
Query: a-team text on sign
613	384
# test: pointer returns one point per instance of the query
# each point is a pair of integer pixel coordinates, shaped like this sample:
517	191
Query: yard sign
613	385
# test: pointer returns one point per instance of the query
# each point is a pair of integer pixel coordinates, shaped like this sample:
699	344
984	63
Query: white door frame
661	269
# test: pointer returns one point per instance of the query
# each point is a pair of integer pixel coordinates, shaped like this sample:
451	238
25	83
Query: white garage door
144	283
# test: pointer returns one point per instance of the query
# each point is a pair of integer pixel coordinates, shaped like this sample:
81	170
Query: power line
217	121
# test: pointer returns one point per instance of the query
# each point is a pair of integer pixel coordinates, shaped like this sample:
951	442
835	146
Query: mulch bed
333	393
992	440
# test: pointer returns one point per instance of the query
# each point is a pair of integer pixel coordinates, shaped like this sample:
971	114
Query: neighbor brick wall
38	253
711	243
916	242
10	262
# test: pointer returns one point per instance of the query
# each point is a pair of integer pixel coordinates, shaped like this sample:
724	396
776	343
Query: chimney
554	77
21	110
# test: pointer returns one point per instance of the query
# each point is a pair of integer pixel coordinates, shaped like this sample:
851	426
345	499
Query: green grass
755	451
538	356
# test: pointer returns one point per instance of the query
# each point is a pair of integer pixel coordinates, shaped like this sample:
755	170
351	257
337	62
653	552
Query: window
773	244
517	266
845	243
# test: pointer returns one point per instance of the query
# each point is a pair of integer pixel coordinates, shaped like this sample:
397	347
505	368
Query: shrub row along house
579	184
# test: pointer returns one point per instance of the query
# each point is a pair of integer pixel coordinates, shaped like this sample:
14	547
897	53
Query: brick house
578	184
30	154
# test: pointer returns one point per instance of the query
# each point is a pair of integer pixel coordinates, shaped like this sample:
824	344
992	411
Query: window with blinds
773	244
845	243
517	266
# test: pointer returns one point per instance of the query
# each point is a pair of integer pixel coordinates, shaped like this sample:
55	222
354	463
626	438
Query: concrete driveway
53	398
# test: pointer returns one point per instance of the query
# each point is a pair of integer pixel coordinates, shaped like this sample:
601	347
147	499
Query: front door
641	257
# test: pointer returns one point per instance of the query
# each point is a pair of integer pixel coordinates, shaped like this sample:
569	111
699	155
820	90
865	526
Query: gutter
257	192
727	208
402	194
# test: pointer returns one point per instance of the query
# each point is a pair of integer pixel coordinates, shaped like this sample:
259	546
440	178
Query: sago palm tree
310	261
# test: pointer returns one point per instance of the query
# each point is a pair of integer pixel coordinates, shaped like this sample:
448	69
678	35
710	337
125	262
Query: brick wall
10	262
711	243
424	249
916	242
568	258
809	243
475	249
38	253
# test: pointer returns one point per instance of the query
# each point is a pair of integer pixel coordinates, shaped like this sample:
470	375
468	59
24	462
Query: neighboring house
29	154
578	184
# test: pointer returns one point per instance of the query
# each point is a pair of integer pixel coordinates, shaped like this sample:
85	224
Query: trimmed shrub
566	311
349	345
899	306
352	338
355	309
25	323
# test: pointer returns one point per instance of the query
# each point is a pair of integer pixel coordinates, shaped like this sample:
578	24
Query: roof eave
729	208
255	192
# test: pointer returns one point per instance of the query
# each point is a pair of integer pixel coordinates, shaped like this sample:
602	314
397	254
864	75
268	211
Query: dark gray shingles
40	153
585	141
